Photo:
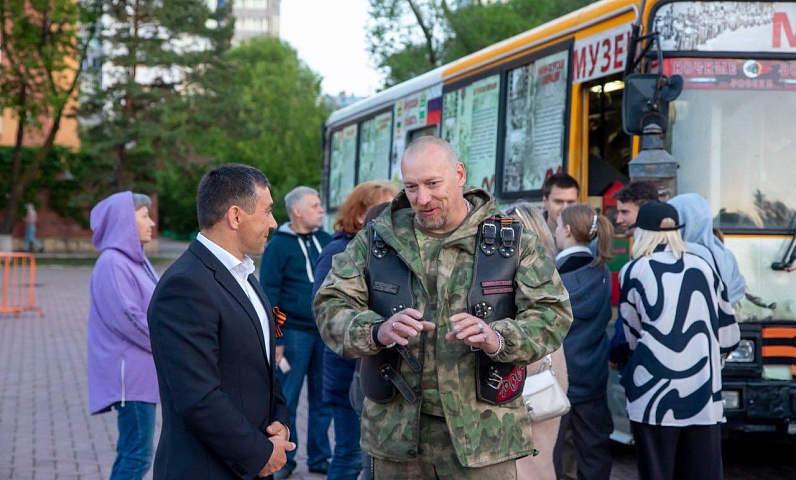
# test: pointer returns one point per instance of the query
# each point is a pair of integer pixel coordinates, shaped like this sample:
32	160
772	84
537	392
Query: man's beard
430	224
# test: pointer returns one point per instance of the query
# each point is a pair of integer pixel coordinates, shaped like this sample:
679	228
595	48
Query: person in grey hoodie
695	214
588	282
121	371
287	275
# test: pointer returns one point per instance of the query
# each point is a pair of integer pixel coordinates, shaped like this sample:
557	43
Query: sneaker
322	468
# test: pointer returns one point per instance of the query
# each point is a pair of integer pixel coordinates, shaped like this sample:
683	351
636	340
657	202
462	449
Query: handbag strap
547	364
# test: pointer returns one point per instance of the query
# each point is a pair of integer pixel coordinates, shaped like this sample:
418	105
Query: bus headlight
745	353
731	399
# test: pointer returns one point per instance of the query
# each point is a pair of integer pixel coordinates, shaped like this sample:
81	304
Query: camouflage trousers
437	459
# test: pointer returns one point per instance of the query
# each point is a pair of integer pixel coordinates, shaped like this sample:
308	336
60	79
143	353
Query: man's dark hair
560	180
224	186
639	192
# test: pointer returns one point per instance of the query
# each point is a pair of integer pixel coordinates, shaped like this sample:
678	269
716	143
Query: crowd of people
413	327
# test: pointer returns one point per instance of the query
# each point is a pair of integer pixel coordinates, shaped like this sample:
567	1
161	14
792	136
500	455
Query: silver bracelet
501	346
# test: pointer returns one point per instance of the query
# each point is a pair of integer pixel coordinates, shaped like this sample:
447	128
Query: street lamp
654	163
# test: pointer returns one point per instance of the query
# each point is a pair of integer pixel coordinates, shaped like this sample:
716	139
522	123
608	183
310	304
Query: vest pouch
378	387
491	297
498	383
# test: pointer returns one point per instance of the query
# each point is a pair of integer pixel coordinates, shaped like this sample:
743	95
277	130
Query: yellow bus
550	100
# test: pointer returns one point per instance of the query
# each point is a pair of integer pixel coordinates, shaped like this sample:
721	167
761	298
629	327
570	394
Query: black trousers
591	426
681	453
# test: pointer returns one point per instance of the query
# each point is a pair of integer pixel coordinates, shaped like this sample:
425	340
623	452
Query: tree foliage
273	123
410	37
152	62
43	52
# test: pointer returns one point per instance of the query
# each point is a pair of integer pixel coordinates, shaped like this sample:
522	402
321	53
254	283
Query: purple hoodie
120	365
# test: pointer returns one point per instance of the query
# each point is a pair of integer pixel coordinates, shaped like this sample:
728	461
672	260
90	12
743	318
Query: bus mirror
646	100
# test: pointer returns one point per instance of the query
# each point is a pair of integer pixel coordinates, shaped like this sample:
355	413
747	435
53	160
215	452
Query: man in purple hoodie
121	372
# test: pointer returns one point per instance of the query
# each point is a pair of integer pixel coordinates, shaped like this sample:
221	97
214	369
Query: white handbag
543	396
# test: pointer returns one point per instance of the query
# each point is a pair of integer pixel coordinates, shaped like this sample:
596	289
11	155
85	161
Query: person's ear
233	217
461	174
568	230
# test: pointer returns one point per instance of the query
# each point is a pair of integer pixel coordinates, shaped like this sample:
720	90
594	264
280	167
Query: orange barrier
19	283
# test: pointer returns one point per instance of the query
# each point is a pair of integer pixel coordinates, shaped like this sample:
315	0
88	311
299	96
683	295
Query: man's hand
474	332
278	456
279	352
404	324
278	429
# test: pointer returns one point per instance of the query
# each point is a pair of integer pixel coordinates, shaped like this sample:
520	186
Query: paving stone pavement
45	428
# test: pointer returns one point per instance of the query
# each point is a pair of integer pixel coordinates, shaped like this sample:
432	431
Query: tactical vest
490	297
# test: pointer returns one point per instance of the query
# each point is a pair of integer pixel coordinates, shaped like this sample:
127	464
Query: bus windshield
733	137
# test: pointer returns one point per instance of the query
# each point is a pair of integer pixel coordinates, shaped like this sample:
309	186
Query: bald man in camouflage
438	425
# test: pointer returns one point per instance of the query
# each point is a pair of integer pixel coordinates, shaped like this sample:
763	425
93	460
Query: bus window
429	131
735	152
341	165
536	103
374	148
470	124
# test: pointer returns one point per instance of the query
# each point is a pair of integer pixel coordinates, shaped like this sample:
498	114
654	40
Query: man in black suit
212	333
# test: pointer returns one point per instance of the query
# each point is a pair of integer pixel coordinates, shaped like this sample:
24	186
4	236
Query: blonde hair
585	224
645	241
532	219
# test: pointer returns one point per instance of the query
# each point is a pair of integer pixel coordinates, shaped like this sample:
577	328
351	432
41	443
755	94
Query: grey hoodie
695	213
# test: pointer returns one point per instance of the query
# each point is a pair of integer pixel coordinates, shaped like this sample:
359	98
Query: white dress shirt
241	271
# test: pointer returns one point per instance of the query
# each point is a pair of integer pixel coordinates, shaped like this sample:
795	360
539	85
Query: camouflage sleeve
543	315
341	304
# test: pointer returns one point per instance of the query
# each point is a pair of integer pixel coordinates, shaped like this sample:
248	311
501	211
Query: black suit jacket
218	390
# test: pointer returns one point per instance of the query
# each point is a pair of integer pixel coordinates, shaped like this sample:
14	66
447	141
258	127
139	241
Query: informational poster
341	165
536	103
727	26
470	124
413	113
374	148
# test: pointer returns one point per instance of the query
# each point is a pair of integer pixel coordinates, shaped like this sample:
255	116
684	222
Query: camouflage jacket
482	434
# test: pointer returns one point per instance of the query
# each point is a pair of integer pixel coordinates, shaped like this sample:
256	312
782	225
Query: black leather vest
490	297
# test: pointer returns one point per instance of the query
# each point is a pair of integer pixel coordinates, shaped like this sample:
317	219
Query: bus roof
573	23
385	98
548	33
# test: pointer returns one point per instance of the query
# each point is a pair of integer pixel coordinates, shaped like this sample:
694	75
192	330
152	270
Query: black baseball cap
652	214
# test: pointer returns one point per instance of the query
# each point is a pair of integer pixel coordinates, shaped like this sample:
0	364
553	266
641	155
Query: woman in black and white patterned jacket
680	326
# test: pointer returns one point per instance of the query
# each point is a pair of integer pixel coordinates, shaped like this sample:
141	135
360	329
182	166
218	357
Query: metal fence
18	292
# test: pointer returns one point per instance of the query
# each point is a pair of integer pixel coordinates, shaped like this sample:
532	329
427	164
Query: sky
329	36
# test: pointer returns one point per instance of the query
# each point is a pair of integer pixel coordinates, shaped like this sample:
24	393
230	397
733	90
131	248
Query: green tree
410	37
153	61
43	53
273	123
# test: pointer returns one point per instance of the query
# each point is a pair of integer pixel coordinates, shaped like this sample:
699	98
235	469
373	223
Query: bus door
607	146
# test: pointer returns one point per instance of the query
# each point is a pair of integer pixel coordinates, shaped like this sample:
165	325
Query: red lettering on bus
782	24
606	55
594	50
579	59
619	58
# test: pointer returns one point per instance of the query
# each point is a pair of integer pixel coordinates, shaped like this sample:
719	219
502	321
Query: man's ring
481	327
486	337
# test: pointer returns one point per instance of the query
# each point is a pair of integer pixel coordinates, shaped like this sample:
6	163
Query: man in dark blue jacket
287	276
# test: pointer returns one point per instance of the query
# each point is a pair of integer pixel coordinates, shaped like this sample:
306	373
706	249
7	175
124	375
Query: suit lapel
225	278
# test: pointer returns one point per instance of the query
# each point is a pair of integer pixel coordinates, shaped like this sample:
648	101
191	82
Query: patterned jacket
680	324
482	434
